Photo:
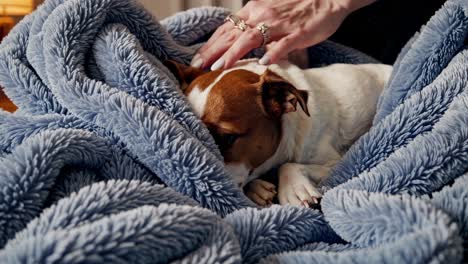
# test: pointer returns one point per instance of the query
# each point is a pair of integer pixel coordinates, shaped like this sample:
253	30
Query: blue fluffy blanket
105	162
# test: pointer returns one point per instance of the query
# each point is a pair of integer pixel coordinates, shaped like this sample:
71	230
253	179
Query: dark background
383	28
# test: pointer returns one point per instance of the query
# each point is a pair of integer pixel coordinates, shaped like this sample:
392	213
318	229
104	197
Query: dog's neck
295	126
285	150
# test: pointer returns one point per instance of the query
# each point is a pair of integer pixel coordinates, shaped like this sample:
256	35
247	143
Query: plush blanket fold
105	161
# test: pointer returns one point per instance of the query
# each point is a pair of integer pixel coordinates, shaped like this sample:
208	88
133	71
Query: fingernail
264	60
197	61
218	64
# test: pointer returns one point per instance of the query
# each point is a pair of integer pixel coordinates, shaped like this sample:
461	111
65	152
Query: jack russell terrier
252	112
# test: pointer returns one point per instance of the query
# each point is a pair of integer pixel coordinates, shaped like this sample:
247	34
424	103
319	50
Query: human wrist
353	5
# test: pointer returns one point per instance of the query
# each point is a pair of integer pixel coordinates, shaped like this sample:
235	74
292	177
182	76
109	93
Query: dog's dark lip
249	175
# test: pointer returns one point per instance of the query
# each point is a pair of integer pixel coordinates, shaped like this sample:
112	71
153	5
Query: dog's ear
279	97
185	74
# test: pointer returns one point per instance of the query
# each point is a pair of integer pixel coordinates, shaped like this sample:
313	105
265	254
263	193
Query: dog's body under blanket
100	117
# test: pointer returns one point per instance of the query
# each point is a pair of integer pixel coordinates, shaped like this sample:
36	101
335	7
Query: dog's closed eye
225	141
229	139
224	135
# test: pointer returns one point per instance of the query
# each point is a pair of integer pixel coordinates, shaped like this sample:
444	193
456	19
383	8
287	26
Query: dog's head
242	110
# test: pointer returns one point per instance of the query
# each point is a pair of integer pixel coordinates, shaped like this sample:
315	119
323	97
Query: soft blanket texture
105	161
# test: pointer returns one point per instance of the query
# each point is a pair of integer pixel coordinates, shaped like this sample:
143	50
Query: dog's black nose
317	206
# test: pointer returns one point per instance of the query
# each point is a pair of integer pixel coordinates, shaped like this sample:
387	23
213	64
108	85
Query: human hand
293	24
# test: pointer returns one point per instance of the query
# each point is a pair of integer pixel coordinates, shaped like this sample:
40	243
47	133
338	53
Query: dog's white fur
342	103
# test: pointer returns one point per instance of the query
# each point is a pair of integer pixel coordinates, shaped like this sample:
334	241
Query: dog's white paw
295	186
261	192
